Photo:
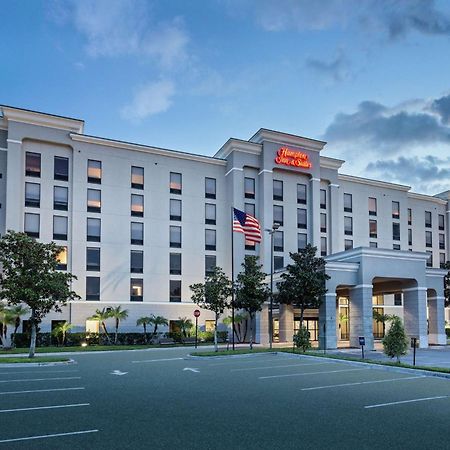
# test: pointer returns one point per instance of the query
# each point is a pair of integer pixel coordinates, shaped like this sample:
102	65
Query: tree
301	339
30	276
447	284
240	321
158	321
395	343
117	314
101	316
213	295
250	290
144	321
303	283
17	311
185	325
6	319
382	318
61	330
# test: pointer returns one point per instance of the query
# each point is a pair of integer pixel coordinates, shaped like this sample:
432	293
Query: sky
371	77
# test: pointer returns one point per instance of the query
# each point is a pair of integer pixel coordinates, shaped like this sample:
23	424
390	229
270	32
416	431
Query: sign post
196	315
414	346
362	343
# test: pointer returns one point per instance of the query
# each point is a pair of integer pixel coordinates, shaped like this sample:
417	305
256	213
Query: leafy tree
61	330
303	283
395	343
185	325
144	321
158	321
17	311
117	314
213	295
30	276
301	339
240	324
101	316
251	290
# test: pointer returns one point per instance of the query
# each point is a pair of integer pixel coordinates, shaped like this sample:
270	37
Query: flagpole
232	277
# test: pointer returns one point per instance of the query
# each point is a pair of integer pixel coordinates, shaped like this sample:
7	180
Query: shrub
301	339
395	343
447	332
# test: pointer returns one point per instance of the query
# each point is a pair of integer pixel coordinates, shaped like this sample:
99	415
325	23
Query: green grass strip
36	359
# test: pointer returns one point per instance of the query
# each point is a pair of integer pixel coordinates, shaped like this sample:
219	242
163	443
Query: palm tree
144	321
17	311
158	320
6	318
61	330
185	325
101	315
118	314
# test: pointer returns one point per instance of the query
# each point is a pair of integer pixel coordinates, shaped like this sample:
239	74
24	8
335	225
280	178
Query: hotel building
140	224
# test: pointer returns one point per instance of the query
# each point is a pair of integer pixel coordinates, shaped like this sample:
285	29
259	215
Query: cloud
441	106
335	70
149	99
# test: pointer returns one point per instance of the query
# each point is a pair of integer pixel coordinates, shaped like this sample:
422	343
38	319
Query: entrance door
378	327
311	324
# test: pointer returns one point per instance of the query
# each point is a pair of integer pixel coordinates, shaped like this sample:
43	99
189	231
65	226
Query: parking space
164	399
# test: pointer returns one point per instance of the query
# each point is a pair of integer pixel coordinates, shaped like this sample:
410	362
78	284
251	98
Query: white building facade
140	224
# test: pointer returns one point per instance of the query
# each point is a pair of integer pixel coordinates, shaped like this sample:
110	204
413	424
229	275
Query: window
94	200
348	244
410	240
210	214
278	190
210	188
372	228
62	259
31	226
323	246
372	206
175	237
92	288
442	260
137	205
60	228
348	202
136	290
323	223
428	239
61	168
33	164
175	209
396	247
323	199
137	177
395	210
398	299
94	171
210	239
93	259
348	226
278	263
250	209
396	231
278	214
250	245
175	264
137	233
210	264
441	241
430	259
428	219
175	290
301	194
441	222
301	218
373	245
175	183
33	195
137	261
278	244
302	241
93	230
60	198
249	187
409	216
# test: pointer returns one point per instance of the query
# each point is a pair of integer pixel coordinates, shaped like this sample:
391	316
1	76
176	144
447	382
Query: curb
244	355
38	364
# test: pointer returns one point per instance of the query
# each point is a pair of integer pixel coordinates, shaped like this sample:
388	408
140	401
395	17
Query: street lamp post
271	231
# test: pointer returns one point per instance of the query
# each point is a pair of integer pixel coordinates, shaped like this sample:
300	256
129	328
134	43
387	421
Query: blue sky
369	76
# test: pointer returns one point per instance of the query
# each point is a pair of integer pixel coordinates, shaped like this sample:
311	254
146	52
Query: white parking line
38	371
156	360
278	367
361	382
29	438
406	401
308	373
42	390
75	405
21	380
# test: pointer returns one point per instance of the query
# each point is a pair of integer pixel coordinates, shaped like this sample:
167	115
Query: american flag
247	224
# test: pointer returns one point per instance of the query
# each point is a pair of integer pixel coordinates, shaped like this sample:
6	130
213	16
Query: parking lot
162	399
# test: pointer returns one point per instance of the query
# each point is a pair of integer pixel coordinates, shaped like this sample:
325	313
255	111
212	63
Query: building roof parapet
359	252
331	163
239	145
279	137
376	183
428	198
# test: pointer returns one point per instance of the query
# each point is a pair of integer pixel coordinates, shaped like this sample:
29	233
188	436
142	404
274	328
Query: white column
286	323
436	320
415	314
361	315
262	326
327	321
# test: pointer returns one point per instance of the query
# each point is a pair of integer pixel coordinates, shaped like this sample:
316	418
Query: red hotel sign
288	157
